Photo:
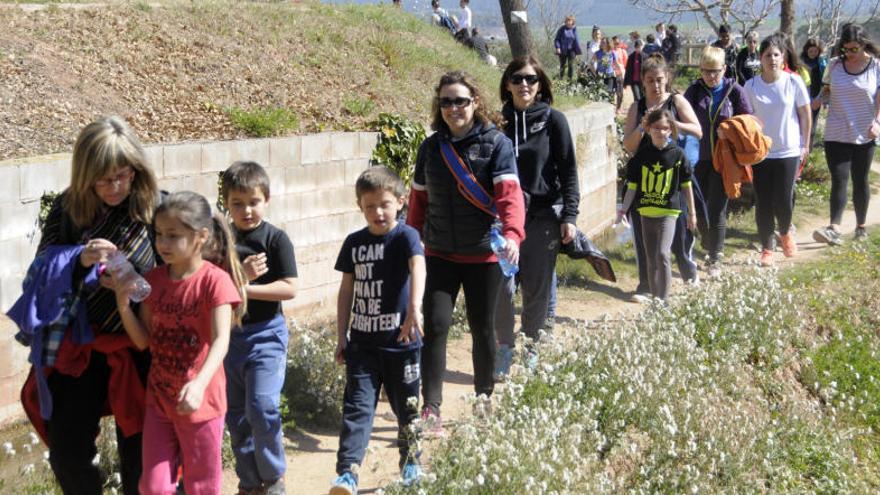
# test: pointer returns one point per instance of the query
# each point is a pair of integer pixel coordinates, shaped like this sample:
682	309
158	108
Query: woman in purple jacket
568	47
714	98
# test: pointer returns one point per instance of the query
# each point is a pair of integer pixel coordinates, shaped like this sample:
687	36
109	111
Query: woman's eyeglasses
711	72
851	49
528	78
121	177
459	102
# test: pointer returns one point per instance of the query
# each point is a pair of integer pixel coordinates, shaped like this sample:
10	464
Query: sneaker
860	234
531	358
789	247
503	358
693	281
432	423
713	269
344	484
640	298
827	235
274	488
767	258
411	474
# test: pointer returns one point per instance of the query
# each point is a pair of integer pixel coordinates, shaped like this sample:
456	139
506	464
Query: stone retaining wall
312	198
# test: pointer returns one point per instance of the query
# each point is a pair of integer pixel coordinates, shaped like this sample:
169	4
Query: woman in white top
780	100
850	87
466	20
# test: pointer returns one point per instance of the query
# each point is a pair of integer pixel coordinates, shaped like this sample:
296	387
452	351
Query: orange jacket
743	145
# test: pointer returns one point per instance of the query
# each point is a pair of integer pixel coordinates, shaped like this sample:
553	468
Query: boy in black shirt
256	361
656	177
379	325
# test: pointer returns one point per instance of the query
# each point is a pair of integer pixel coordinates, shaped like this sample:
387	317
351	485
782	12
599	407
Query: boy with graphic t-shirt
379	325
657	175
257	358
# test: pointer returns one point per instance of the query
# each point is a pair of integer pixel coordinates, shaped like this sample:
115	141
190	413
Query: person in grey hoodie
548	177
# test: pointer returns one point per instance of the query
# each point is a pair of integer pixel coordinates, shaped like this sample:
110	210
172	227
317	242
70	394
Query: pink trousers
168	444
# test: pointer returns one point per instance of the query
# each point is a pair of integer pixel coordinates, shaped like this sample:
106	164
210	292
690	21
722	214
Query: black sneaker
827	235
861	234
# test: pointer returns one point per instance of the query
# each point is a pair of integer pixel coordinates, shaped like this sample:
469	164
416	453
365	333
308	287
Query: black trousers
481	283
566	58
774	196
715	231
367	370
77	405
845	159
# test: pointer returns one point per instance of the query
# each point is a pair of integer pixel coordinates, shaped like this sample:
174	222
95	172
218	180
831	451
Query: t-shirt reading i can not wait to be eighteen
180	336
380	265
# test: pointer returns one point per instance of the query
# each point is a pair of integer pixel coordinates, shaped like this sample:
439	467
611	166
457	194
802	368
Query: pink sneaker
432	423
767	258
789	246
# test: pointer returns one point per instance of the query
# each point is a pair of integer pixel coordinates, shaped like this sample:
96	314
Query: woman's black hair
545	93
812	42
852	32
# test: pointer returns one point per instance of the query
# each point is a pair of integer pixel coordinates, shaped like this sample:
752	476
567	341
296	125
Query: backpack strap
468	185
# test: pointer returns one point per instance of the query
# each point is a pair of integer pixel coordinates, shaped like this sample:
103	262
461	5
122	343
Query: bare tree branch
745	14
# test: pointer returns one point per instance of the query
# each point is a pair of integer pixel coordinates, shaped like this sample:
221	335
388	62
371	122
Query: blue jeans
367	370
255	367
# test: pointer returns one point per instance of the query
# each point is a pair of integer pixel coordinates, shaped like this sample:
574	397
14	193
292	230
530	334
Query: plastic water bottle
622	232
498	242
138	288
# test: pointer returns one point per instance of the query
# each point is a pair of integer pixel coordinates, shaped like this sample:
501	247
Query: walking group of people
665	186
208	344
614	60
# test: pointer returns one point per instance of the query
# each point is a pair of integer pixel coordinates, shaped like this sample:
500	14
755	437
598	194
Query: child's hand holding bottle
190	398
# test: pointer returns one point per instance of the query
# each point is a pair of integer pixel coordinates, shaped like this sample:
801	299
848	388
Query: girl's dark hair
193	210
852	32
660	114
482	114
775	40
545	90
792	61
812	42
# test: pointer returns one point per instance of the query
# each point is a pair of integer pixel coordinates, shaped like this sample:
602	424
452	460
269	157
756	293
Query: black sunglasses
519	78
458	102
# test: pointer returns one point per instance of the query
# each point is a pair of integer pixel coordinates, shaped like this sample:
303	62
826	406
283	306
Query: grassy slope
175	70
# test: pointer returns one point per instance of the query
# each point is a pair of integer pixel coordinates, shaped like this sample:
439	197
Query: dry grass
174	70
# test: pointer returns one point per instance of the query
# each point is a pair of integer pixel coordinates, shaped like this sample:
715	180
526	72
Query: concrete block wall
312	198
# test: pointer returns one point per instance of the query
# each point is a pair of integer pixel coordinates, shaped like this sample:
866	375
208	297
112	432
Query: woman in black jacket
456	229
549	180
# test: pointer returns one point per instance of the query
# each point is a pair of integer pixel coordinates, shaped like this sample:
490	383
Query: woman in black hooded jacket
549	180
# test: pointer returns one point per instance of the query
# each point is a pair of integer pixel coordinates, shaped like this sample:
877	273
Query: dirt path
311	465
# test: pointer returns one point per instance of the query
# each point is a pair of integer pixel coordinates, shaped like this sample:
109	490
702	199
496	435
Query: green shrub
359	106
399	141
263	122
314	383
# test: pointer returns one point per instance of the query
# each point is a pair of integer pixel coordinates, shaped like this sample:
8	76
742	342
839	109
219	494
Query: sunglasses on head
458	102
851	49
528	78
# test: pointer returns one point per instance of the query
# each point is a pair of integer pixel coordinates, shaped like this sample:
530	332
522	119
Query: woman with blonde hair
714	99
465	183
107	209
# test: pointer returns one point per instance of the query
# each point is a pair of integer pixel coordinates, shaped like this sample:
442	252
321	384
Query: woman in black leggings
850	88
456	228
